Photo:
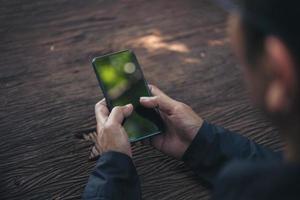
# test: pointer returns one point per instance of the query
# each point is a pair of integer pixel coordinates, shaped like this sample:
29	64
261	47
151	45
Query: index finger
101	111
154	90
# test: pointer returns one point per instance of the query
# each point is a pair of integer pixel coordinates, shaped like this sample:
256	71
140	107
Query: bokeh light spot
129	68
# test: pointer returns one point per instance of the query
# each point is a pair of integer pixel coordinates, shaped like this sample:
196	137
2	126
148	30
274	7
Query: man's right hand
182	123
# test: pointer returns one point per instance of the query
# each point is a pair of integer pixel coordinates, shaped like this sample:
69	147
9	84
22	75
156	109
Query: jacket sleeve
214	146
114	177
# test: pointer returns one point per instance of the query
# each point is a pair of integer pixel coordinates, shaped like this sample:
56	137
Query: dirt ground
48	88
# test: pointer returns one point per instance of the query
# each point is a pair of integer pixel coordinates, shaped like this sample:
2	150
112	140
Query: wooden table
48	88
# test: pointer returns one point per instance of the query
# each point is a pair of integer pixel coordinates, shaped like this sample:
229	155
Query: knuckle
99	126
157	97
180	106
108	127
101	109
117	109
185	106
96	106
153	87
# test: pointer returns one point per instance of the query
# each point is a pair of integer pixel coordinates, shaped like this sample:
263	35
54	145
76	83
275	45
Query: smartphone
122	82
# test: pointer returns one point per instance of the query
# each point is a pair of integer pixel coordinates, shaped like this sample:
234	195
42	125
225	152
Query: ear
281	69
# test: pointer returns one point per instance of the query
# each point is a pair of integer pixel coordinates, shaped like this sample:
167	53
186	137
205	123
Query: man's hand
182	123
110	135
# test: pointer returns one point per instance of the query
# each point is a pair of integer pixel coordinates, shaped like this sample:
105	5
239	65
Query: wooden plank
48	89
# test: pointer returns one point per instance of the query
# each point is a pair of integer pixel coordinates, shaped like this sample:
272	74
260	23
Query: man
265	39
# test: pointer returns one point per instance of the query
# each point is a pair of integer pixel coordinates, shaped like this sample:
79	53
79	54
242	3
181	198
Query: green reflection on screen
122	82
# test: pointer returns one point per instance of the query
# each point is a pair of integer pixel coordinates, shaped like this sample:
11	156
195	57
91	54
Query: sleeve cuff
199	147
197	144
201	154
114	177
116	162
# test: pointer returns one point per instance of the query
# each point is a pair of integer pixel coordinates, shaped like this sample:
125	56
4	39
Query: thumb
119	113
127	110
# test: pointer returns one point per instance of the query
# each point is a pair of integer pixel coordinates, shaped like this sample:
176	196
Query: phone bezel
106	96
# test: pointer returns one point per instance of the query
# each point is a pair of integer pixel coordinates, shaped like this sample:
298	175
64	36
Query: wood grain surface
48	88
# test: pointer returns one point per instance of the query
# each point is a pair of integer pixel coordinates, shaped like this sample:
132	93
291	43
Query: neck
292	152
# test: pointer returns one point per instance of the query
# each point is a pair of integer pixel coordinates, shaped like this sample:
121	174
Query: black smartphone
122	82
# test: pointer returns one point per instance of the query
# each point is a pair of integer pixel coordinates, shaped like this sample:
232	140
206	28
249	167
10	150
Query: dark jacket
234	166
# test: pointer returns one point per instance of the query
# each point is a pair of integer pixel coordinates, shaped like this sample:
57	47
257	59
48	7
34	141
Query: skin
272	84
110	135
182	124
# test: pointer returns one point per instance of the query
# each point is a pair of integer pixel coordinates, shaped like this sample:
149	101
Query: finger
93	157
90	136
93	136
146	141
94	153
155	91
157	141
164	104
119	113
101	111
159	99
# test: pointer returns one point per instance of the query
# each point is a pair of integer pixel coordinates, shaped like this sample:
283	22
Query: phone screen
122	82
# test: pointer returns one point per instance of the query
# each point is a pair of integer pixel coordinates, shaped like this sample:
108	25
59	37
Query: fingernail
129	106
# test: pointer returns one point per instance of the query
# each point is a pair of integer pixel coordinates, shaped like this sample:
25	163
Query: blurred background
48	88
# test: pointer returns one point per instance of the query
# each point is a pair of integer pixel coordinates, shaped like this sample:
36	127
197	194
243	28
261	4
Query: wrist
198	144
193	131
190	136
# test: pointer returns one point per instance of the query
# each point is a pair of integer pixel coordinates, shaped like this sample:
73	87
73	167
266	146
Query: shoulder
258	180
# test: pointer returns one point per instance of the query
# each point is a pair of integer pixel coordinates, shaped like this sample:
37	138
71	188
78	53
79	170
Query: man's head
265	37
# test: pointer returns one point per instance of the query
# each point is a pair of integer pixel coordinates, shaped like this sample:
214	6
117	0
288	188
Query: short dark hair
261	18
